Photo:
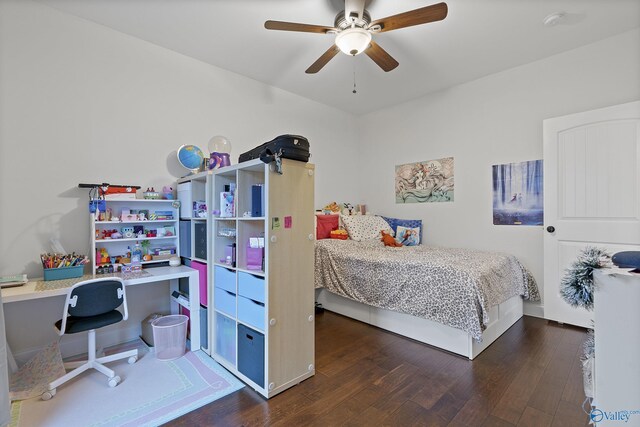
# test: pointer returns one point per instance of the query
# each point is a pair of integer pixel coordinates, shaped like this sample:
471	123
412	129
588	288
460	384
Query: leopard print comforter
454	287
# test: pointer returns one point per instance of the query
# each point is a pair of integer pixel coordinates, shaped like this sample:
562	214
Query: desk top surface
35	289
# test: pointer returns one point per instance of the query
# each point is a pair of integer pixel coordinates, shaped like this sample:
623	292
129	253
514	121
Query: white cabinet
617	343
151	223
263	297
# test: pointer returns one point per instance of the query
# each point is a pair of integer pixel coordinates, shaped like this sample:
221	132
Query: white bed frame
501	316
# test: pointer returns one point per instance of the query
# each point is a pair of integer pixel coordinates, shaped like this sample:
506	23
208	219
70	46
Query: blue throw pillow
409	223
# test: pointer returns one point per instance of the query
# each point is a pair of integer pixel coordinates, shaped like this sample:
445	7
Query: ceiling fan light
353	41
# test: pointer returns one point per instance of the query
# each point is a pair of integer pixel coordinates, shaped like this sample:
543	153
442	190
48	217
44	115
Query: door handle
551	229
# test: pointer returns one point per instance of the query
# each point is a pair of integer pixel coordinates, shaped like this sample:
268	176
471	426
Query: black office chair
91	305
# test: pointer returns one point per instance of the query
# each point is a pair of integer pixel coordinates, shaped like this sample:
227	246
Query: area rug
33	378
152	392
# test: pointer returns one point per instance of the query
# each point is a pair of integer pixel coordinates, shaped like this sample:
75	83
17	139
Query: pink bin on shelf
202	273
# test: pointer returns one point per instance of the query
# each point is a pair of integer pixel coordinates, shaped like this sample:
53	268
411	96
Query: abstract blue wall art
517	193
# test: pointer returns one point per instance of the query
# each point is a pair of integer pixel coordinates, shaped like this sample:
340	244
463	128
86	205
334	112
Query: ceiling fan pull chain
354	75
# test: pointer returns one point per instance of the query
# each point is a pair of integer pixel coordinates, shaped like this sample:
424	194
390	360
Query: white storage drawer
251	286
251	312
225	301
186	201
224	278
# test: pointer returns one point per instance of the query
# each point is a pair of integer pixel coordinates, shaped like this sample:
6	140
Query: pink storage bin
202	273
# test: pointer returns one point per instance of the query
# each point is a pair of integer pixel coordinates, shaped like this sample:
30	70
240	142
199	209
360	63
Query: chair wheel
132	360
47	395
114	381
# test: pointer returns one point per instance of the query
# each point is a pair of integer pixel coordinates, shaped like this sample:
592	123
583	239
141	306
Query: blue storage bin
251	286
224	301
251	312
204	335
251	354
225	338
185	238
63	272
224	278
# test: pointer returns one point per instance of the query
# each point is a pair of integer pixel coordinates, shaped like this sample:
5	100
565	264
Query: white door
591	194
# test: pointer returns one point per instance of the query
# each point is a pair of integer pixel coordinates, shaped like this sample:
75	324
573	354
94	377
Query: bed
460	300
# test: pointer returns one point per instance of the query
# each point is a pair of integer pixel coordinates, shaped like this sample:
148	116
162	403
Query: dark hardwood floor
531	376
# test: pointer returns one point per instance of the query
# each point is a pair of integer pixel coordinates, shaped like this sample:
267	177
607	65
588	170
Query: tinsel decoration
576	287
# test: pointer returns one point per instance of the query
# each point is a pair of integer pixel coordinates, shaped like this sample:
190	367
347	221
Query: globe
190	157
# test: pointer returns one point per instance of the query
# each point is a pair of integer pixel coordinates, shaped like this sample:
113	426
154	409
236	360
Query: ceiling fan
354	29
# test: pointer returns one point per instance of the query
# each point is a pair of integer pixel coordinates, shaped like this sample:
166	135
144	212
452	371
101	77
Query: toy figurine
167	192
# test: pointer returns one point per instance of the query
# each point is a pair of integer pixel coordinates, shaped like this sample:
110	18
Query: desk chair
91	305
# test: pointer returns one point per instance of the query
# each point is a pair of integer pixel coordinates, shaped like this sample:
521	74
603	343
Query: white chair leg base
114	381
47	395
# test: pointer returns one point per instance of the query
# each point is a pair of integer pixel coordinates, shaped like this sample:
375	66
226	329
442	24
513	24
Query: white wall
83	103
493	120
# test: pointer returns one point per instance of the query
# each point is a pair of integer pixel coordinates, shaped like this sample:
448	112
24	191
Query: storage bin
251	286
251	312
224	278
202	274
170	336
185	238
184	195
224	301
147	329
251	354
225	344
204	328
200	239
63	272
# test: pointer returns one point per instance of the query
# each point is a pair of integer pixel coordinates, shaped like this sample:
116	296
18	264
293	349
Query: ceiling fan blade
381	57
322	61
294	26
435	12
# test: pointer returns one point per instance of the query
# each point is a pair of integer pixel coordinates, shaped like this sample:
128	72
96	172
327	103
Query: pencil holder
63	273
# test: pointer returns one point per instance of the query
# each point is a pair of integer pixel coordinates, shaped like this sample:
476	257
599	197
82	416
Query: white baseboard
534	309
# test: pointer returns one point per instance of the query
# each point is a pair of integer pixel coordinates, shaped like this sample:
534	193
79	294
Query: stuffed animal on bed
388	240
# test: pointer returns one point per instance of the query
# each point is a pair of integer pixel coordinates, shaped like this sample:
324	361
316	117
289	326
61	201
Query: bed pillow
411	223
364	227
325	224
408	236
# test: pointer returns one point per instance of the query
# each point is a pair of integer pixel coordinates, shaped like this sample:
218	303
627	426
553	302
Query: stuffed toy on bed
388	240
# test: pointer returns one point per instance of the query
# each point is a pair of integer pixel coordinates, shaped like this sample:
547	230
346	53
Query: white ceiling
478	37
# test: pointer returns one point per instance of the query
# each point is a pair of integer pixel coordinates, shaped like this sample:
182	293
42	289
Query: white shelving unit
119	247
195	239
262	322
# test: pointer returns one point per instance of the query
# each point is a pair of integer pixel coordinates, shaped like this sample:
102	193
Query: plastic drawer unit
224	278
251	354
225	301
225	338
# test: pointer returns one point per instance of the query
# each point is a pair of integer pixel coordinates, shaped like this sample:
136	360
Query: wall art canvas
430	181
517	193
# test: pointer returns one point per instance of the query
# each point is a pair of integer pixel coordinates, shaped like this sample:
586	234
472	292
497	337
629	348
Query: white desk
158	274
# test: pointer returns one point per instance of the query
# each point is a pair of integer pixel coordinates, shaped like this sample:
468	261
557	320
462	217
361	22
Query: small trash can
170	336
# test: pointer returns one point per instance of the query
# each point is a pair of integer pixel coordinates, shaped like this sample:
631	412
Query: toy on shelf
167	192
151	194
219	149
332	207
